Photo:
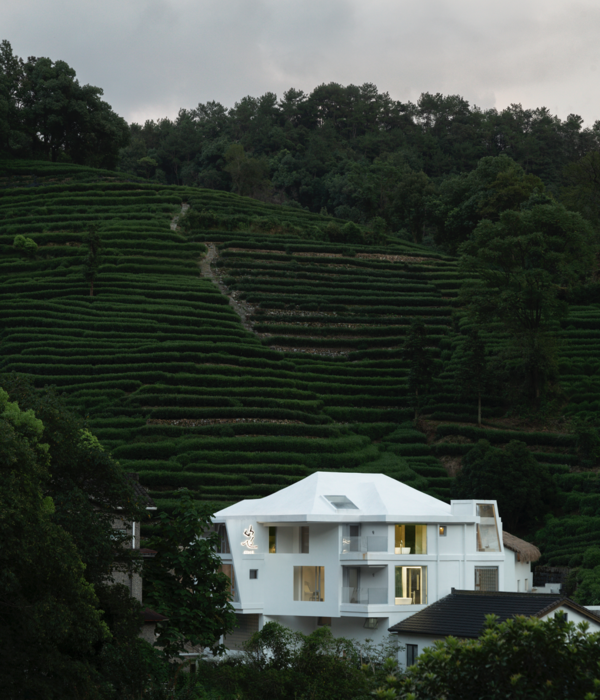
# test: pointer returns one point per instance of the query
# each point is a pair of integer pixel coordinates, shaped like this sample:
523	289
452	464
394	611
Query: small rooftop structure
462	613
525	551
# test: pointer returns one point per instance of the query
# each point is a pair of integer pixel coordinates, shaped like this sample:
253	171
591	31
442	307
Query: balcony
364	596
375	543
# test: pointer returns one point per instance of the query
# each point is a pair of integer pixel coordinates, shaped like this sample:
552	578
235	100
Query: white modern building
360	552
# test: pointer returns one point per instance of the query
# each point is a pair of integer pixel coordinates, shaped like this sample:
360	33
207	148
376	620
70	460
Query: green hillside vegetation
184	394
224	332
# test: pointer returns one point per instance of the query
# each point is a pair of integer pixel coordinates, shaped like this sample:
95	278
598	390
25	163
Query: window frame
479	569
423	587
317	593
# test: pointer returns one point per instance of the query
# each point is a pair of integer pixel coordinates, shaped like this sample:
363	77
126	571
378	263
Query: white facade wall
518	576
450	560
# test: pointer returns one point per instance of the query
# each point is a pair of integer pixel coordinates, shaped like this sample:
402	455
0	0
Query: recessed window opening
410	539
341	503
323	622
229	571
304	540
486	578
443	530
412	651
253	573
371	623
223	546
487	529
272	540
309	583
411	585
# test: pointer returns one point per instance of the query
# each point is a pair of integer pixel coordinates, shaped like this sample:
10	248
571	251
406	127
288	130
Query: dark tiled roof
152	616
462	613
140	491
145	552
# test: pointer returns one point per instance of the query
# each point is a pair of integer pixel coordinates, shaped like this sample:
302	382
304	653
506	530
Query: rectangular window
411	585
228	570
223	539
411	539
323	622
272	540
304	531
412	651
253	573
443	530
487	530
309	583
486	578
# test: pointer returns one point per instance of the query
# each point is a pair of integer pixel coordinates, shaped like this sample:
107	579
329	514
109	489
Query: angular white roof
375	497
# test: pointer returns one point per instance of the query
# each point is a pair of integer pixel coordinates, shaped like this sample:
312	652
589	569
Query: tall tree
46	113
88	490
184	582
422	365
514	270
473	373
50	624
523	488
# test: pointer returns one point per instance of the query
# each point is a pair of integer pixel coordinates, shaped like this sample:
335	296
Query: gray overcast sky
152	57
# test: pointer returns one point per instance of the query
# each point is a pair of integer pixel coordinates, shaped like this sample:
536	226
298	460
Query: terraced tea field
187	396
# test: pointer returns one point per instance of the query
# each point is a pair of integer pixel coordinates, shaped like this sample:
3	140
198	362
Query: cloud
153	57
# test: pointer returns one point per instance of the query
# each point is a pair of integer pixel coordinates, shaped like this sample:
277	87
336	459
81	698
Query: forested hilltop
358	154
329	281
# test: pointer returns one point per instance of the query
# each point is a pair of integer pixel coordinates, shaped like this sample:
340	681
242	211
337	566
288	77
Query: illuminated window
309	583
272	540
443	530
411	585
411	539
486	578
487	530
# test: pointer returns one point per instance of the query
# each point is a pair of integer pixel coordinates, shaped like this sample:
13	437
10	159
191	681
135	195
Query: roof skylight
341	503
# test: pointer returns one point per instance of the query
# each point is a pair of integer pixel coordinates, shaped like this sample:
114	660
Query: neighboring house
360	552
462	614
133	580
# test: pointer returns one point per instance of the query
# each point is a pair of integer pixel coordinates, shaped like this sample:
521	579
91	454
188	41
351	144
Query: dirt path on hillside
207	271
175	219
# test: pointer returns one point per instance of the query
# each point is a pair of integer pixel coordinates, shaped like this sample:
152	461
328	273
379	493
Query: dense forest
227	302
357	154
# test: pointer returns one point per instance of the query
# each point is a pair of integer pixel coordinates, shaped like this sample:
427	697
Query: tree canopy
61	616
184	581
515	270
521	658
45	113
523	488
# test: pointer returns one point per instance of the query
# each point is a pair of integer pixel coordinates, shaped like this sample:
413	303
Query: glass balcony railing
364	596
375	543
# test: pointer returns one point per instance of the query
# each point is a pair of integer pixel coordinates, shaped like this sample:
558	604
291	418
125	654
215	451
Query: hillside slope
184	394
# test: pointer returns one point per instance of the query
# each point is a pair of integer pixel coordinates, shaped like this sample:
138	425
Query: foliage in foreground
520	658
278	664
184	583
